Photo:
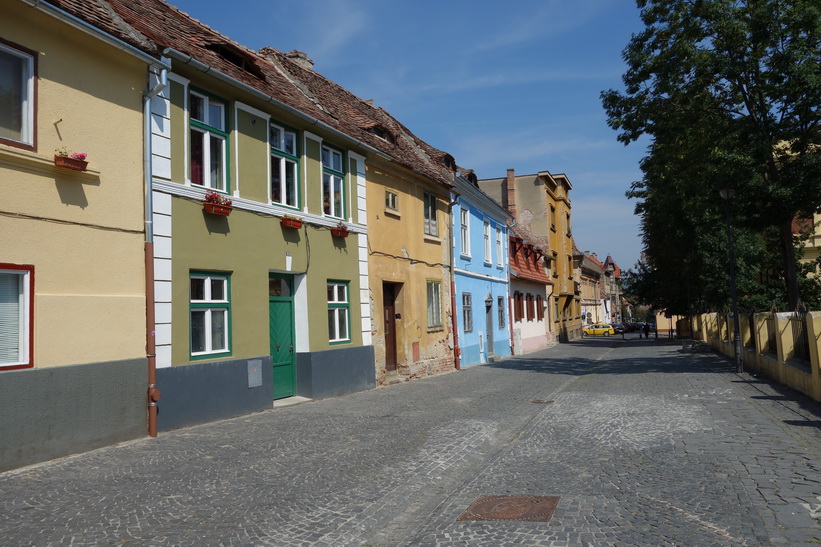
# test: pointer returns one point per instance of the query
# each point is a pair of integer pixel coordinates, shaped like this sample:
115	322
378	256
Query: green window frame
210	314
284	166
333	183
339	312
208	146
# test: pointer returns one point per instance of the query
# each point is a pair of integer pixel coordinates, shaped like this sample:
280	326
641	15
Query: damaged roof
155	26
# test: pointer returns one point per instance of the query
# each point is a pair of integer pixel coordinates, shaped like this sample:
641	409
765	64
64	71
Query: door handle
291	349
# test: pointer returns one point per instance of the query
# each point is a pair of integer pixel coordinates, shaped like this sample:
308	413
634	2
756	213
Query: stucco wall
83	230
53	412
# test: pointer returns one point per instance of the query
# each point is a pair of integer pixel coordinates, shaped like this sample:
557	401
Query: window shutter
10	290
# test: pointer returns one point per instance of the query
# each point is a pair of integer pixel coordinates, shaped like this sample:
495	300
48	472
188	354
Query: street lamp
727	194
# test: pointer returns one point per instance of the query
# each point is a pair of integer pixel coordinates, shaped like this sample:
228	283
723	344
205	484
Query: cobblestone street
642	443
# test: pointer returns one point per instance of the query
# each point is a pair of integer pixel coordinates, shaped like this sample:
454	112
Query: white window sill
432	239
32	161
393	213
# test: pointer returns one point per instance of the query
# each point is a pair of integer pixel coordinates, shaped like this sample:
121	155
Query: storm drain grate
521	508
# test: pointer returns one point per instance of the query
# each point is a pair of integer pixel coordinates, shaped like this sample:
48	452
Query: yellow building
73	373
409	271
541	206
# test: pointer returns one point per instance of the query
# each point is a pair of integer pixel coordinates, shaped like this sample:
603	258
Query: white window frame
467	311
16	333
27	97
210	308
338	307
500	249
488	250
391	200
333	183
284	157
209	130
431	224
464	232
434	303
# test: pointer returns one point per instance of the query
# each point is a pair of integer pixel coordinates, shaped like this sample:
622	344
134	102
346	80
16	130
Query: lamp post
727	194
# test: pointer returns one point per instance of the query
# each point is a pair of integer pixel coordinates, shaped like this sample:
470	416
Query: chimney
509	192
301	58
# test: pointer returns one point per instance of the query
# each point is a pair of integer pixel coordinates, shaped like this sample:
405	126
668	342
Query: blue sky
497	85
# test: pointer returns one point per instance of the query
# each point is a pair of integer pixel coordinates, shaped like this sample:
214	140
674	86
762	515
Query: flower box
291	222
70	163
217	208
340	231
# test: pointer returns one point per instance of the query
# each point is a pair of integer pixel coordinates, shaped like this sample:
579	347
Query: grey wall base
322	374
48	413
206	392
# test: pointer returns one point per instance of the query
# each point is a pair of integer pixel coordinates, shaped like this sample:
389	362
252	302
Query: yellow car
599	328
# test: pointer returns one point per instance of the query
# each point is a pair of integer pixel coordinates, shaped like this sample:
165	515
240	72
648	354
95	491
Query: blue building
480	273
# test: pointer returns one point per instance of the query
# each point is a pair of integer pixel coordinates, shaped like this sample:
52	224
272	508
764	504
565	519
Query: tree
729	92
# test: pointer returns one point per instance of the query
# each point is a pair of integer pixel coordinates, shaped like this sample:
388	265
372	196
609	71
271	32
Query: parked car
603	329
618	328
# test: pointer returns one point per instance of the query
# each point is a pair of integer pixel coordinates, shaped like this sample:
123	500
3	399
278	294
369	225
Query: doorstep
291	401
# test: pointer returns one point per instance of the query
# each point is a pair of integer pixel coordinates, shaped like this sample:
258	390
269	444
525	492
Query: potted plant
291	222
217	204
340	230
75	160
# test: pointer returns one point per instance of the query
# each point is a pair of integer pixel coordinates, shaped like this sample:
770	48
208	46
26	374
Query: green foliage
729	92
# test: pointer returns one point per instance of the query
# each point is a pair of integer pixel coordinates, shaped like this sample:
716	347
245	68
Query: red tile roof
155	25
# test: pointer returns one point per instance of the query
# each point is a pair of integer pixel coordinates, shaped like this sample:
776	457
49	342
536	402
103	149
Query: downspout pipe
457	351
153	395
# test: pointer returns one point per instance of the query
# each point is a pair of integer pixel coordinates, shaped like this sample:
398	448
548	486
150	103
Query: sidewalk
642	444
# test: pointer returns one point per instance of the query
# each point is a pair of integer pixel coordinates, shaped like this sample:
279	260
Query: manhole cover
523	508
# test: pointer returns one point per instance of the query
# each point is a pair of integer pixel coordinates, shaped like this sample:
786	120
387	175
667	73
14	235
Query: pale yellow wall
85	238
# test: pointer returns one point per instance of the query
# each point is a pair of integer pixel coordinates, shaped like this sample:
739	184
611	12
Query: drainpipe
457	351
150	324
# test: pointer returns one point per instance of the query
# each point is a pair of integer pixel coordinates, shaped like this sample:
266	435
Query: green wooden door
281	327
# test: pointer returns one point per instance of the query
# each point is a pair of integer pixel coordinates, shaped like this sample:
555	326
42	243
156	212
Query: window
467	312
464	231
332	198
529	306
488	257
284	166
210	314
431	227
434	304
338	312
518	306
556	309
553	218
499	247
539	308
209	161
16	324
567	222
17	90
502	311
391	200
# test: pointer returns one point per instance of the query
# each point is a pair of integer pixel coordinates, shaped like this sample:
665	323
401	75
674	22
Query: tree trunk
787	249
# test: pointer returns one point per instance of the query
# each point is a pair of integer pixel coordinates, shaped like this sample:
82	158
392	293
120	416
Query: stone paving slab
644	444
